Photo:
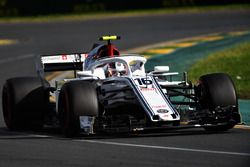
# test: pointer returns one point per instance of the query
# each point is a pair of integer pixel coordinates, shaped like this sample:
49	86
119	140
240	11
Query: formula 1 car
110	92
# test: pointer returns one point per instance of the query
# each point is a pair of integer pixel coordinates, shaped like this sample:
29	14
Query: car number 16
143	81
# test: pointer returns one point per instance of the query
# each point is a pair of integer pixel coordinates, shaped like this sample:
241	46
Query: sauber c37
112	92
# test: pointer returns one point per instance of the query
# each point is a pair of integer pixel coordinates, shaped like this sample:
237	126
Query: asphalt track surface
176	148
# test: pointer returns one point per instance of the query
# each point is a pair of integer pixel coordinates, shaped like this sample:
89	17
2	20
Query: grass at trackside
129	13
234	61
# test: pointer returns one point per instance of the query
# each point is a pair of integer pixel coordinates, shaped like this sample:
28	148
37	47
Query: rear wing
62	62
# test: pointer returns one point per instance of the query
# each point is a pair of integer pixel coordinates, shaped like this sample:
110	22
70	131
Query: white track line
165	148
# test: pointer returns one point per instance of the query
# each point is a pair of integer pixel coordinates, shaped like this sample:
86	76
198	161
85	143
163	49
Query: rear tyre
217	90
77	98
25	101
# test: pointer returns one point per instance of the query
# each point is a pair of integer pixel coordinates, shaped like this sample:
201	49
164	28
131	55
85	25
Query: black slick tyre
217	90
25	101
77	98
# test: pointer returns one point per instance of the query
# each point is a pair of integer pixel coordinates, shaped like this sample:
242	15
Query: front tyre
77	98
216	92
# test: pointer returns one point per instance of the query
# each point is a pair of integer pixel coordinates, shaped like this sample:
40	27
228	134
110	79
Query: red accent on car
111	50
64	57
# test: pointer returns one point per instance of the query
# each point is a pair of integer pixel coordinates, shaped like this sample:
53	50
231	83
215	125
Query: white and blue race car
110	92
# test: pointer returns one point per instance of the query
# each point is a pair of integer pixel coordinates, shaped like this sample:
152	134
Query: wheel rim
65	114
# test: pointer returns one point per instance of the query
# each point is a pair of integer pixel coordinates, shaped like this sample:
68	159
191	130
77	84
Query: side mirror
161	69
84	73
